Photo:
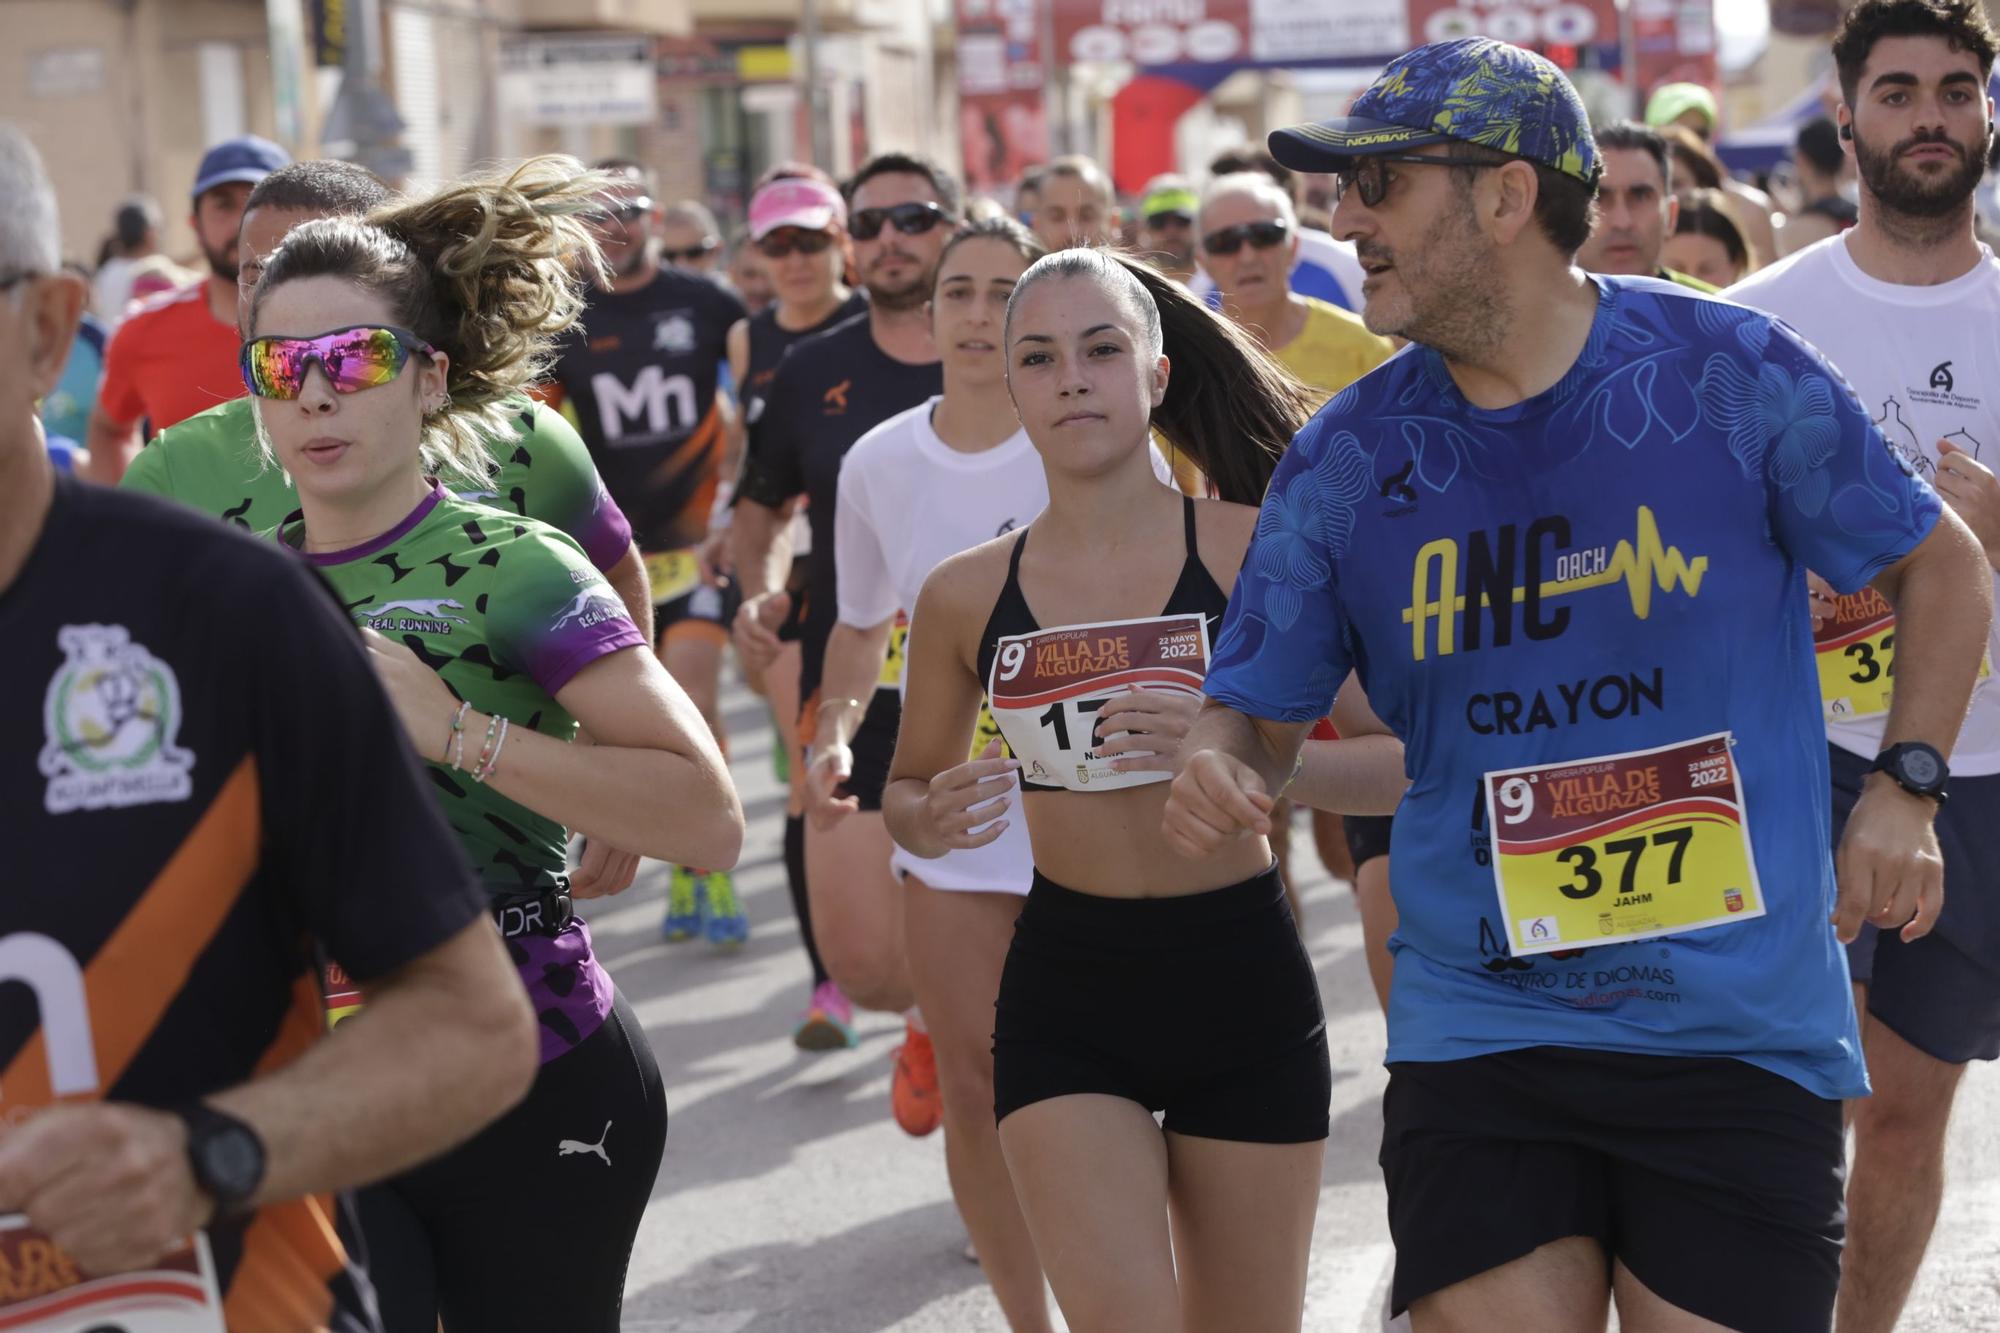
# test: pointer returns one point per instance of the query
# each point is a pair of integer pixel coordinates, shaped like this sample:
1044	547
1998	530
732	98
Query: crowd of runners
1598	550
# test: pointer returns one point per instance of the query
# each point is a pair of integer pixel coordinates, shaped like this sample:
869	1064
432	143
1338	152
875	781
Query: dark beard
222	263
1461	315
911	298
1913	196
633	262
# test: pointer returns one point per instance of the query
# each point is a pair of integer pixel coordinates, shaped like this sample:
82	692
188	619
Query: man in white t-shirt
1906	305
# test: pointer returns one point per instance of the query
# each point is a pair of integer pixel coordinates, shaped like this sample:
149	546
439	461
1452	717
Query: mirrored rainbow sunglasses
360	356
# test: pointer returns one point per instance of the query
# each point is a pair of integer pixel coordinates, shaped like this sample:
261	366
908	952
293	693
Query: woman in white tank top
922	486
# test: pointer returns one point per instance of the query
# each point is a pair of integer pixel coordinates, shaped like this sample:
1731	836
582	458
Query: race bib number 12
1623	847
43	1291
1047	688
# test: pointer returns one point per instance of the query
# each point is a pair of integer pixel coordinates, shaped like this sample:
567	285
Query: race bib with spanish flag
1622	847
1046	689
43	1291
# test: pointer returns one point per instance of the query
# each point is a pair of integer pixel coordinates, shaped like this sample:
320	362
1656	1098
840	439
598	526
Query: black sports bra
1195	593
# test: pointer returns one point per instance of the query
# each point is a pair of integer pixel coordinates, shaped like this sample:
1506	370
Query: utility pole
363	126
821	132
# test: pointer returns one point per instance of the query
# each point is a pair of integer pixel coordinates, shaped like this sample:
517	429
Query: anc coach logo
111	716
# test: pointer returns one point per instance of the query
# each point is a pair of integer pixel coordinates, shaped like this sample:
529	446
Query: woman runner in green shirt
380	352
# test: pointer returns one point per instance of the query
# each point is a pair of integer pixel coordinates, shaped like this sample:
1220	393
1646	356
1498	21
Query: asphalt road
790	1203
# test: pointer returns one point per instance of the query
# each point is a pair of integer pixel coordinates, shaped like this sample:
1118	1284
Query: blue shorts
1942	993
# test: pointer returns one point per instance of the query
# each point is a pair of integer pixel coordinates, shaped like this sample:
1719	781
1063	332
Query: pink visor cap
807	204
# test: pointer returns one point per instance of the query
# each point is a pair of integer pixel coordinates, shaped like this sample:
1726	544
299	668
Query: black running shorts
1205	1007
1367	837
1941	994
1718	1184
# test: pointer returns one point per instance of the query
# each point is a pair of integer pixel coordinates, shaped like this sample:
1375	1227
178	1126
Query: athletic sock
795	880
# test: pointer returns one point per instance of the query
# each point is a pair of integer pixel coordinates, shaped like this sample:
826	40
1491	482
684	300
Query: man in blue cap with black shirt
176	354
1562	538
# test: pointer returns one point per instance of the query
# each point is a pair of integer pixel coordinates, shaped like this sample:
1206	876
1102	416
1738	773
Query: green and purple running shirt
507	611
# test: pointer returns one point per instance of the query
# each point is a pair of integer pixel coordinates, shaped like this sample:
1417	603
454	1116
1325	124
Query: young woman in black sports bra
1138	981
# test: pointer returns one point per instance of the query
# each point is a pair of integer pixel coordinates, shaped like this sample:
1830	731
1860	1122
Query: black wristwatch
226	1155
1917	768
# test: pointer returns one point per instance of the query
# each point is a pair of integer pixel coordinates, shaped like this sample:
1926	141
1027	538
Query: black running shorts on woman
1203	1006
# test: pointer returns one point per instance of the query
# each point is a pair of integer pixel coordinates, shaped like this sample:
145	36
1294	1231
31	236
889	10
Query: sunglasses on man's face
691	253
1261	235
625	211
361	356
785	240
912	219
1371	178
1160	221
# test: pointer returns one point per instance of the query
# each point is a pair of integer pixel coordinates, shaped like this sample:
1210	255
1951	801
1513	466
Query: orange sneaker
913	1092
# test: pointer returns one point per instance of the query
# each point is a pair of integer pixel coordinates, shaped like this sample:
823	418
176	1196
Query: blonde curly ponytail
490	271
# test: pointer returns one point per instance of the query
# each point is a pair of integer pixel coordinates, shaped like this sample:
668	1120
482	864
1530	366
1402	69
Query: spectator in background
1325	268
1696	167
176	355
748	273
1167	210
1314	196
1706	243
1250	240
135	234
1028	196
1636	207
1686	104
690	238
1691	107
1824	175
66	410
1077	204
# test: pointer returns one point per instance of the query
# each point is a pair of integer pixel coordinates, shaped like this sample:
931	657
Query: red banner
1217	32
1002	124
1673	41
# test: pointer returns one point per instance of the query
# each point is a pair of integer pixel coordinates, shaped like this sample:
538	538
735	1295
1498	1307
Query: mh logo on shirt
1493	561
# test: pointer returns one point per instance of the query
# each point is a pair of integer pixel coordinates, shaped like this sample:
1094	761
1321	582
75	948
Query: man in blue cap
176	355
1562	538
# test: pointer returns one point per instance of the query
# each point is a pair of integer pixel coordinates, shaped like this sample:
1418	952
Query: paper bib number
672	574
1047	688
1856	653
899	653
1623	847
340	996
45	1292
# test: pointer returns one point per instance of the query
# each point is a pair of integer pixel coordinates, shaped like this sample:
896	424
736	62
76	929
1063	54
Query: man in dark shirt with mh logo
640	374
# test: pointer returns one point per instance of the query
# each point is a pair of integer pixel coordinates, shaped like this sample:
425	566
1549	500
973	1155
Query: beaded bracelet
457	729
490	764
492	730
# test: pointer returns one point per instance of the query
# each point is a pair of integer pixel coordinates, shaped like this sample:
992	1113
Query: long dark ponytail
1228	405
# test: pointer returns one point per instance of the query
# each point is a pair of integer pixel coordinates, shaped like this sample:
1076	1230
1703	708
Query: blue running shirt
1614	565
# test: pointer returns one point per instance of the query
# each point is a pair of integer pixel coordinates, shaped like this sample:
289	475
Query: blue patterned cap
1470	90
